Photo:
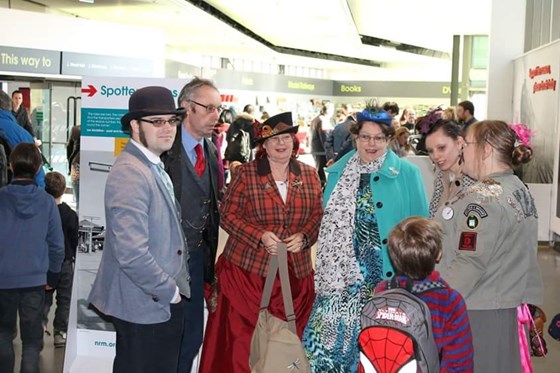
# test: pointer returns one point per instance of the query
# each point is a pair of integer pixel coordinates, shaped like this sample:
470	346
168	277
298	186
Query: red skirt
229	330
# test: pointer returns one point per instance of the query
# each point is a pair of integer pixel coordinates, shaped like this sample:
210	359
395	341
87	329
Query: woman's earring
461	159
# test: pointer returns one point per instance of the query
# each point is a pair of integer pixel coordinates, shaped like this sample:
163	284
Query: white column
507	35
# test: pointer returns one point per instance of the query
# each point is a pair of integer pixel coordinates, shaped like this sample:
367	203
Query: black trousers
149	348
194	313
63	297
320	164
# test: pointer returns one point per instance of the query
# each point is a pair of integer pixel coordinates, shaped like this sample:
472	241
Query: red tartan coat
253	205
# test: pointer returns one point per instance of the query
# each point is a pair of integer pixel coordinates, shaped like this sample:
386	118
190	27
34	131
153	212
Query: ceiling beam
377	42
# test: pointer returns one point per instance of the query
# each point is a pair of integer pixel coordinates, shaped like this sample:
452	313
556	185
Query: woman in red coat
274	198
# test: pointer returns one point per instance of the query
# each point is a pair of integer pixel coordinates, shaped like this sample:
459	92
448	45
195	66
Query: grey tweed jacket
142	259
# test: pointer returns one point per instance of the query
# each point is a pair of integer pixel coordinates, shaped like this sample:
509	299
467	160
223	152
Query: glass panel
555	30
40	115
546	21
65	113
479	52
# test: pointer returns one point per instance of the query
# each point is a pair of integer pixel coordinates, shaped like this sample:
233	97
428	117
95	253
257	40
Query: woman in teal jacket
368	192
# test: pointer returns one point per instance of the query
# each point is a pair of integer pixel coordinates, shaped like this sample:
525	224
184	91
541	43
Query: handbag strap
280	263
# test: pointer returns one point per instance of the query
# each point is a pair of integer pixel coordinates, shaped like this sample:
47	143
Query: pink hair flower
523	133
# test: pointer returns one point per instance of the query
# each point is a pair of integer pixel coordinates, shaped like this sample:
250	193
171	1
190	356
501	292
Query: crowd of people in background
192	166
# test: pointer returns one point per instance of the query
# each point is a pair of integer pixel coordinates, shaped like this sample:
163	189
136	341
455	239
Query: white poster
536	103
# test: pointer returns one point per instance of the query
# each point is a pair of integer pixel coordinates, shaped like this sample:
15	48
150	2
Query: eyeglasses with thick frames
173	122
209	108
379	139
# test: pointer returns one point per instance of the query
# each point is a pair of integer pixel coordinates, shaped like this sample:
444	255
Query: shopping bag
275	345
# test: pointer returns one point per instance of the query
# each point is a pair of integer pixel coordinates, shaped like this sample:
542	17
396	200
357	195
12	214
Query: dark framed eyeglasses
173	122
209	108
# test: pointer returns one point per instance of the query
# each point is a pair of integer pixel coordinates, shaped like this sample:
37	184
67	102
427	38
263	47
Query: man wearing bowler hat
142	274
192	163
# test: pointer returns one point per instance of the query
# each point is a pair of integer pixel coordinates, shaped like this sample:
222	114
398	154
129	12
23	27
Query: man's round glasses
209	108
376	139
173	122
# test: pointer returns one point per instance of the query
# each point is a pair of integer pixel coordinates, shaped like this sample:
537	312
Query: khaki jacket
490	244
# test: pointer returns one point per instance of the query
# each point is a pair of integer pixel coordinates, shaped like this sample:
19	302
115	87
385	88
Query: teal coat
398	193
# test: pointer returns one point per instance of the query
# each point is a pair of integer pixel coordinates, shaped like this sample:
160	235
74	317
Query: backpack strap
394	284
280	263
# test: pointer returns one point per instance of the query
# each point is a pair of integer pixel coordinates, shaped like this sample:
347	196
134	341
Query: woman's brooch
296	183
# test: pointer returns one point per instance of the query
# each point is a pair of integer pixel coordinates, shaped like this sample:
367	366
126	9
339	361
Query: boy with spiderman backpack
415	321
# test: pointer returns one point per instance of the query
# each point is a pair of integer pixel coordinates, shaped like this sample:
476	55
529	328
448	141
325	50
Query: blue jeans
29	304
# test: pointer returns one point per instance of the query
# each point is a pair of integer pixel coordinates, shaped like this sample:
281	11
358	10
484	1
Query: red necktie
200	165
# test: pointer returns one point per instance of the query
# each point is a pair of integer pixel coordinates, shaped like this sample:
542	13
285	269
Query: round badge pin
447	213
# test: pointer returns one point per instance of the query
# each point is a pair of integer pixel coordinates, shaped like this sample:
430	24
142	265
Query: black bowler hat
149	101
277	125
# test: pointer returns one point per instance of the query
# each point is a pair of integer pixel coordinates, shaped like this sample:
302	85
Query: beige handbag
275	346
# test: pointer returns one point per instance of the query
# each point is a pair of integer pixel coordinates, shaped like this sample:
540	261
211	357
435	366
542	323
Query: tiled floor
549	259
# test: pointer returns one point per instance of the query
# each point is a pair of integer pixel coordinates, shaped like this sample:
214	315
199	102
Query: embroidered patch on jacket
477	209
472	222
468	241
526	201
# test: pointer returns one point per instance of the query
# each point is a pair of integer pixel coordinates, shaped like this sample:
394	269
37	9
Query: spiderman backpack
396	334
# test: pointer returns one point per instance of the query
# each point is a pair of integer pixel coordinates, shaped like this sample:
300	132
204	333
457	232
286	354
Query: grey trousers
495	341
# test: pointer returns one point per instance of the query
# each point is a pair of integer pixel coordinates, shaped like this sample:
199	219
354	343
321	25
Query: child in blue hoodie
31	255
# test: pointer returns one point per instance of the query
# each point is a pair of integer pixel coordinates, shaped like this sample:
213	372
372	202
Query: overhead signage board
229	79
391	89
84	64
25	60
175	69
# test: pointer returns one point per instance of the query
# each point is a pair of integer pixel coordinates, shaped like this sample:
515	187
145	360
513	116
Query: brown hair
501	137
356	127
414	246
25	161
189	90
55	184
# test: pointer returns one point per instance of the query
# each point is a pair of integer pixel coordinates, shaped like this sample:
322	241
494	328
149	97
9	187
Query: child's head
25	161
55	184
415	247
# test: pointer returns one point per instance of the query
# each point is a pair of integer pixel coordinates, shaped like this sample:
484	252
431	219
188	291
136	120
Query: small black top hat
276	125
149	101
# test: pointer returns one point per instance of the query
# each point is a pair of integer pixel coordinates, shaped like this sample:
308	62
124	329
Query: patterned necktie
200	165
166	180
